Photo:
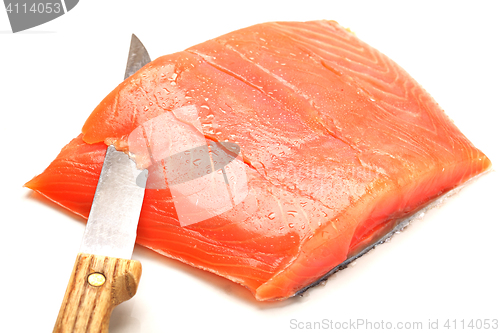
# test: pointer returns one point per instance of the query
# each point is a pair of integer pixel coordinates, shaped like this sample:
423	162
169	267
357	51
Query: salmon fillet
336	143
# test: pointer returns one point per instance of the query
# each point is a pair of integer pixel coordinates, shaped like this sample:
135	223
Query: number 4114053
41	7
472	324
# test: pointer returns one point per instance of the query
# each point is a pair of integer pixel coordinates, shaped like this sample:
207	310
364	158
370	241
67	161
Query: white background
445	266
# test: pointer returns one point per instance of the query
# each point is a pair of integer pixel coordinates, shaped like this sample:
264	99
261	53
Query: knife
104	274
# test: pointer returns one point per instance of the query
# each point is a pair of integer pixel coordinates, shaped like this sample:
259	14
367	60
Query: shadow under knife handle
97	284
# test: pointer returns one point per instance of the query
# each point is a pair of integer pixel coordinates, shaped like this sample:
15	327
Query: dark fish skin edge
400	226
403	223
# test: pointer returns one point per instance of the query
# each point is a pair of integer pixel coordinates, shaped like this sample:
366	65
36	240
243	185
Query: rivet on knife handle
87	308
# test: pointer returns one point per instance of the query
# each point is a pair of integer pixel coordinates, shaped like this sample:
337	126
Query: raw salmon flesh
335	143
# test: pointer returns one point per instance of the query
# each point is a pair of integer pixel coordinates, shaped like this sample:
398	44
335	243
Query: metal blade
137	56
112	225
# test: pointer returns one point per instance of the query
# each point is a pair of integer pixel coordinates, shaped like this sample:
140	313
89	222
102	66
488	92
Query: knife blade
104	275
138	56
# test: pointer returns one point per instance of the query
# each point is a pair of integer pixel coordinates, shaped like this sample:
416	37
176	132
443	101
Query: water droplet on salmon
197	162
271	216
290	225
324	214
292	213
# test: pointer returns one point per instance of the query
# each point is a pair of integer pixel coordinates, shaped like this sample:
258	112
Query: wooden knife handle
96	286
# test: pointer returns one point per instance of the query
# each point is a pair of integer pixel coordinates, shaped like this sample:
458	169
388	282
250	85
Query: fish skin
337	140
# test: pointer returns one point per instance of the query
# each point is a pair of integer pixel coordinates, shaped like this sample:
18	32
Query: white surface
444	266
